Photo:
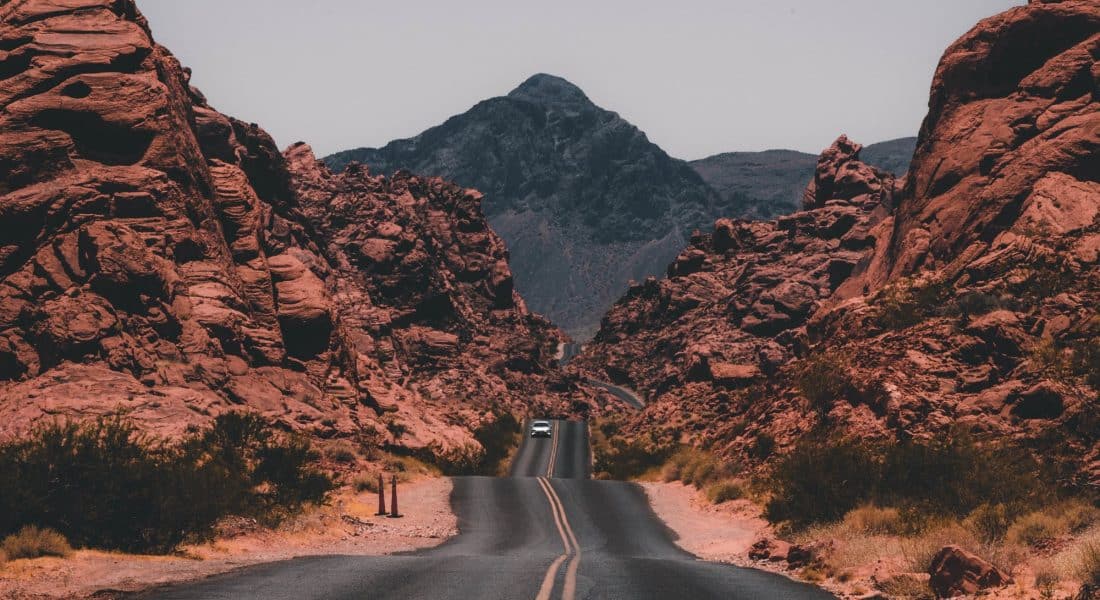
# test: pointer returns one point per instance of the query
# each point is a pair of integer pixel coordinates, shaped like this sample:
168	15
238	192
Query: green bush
617	458
821	481
32	542
104	484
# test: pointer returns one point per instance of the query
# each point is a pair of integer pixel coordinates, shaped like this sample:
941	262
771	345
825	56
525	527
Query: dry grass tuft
906	586
365	482
33	542
920	549
342	451
1036	528
724	491
875	520
1088	564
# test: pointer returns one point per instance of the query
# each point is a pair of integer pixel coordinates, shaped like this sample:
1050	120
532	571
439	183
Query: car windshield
541	424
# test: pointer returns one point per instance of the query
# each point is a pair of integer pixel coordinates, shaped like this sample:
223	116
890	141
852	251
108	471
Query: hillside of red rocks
965	295
163	259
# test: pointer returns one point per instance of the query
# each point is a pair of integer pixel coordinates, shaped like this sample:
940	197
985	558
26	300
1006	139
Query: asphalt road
627	395
545	532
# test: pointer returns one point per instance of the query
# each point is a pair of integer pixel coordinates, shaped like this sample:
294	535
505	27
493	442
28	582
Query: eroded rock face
160	257
965	294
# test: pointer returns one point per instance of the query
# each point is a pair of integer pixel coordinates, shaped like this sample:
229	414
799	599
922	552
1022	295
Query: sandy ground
725	532
721	533
346	526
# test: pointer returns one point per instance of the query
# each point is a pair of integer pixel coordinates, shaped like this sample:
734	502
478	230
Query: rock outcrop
160	258
965	294
769	184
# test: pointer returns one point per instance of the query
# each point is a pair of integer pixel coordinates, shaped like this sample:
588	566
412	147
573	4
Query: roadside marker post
381	495
393	500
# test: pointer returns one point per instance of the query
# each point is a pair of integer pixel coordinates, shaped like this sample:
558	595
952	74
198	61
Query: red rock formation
159	257
973	302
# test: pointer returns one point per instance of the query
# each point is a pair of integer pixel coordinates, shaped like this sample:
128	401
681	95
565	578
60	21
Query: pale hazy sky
698	76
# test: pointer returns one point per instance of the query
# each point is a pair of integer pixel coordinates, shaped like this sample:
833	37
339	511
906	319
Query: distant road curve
622	393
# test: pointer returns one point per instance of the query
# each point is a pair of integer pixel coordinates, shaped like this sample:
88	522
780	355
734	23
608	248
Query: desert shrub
342	451
820	481
1035	528
1086	360
1079	515
724	491
32	542
763	446
955	476
1088	565
823	479
365	482
990	522
1047	579
619	457
874	520
907	303
822	380
696	467
104	484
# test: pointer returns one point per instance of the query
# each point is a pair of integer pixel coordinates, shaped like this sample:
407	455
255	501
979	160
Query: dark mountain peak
546	89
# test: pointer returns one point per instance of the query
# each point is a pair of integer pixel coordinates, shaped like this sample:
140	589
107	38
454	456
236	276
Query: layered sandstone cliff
163	259
965	295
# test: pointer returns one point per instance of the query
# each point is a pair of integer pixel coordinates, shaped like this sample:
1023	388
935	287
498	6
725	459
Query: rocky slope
583	199
966	295
769	184
163	259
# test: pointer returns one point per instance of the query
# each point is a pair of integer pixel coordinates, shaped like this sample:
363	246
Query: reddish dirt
347	527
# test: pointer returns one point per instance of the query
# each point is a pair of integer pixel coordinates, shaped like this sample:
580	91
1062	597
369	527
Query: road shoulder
347	526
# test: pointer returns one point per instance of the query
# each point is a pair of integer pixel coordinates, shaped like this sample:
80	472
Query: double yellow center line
569	541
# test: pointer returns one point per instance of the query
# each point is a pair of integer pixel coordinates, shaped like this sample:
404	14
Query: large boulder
956	572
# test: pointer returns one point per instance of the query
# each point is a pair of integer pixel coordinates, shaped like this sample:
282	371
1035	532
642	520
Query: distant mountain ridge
585	202
770	183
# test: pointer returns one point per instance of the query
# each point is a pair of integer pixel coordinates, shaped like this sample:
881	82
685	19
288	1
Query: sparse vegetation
365	482
104	484
821	480
907	303
1036	528
874	520
342	451
724	491
32	542
822	380
617	458
1088	567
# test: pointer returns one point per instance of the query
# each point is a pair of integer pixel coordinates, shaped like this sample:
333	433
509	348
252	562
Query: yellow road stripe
548	579
547	587
553	451
569	592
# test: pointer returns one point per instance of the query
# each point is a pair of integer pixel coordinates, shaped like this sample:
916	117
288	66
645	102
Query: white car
541	429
